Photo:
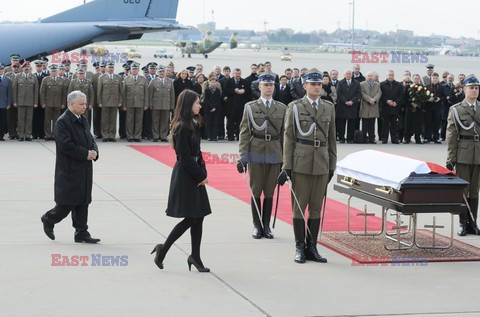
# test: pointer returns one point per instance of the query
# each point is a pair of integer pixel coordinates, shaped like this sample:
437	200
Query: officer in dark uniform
38	130
147	132
260	147
309	160
463	146
45	66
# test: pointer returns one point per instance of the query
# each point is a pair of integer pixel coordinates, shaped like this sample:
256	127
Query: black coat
296	89
236	102
73	172
344	94
395	93
180	85
186	199
359	78
212	99
282	95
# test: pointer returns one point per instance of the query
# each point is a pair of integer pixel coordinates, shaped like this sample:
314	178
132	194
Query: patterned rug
371	250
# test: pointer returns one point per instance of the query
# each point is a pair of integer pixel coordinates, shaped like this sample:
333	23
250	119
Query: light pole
353	25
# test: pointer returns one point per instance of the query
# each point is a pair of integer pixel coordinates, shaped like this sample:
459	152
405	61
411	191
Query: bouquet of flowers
418	95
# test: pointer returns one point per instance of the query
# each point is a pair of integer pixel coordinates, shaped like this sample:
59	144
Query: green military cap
152	65
429	66
110	64
15	57
83	62
38	62
61	66
53	67
160	68
81	71
135	65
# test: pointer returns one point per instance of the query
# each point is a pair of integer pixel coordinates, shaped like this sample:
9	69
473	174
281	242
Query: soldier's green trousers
25	117
263	178
134	122
310	190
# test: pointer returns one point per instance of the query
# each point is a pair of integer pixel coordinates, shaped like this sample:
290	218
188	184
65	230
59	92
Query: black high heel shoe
158	248
191	261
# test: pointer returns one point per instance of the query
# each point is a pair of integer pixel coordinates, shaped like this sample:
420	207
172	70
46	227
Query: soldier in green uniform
85	86
14	60
83	64
97	111
260	147
52	99
463	146
66	64
25	92
12	116
161	96
135	97
109	98
309	160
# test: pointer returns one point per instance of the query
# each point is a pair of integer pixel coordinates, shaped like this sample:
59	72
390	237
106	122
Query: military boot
311	251
472	227
257	226
299	232
267	214
462	229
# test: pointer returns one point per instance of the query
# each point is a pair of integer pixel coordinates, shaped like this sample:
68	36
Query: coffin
403	183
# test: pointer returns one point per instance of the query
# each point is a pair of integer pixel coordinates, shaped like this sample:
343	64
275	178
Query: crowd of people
142	104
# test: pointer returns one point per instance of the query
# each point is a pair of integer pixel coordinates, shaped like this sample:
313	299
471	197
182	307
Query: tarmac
248	277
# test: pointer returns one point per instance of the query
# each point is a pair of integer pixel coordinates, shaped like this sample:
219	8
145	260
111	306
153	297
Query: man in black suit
282	91
348	105
433	110
252	77
76	149
392	95
334	78
448	89
238	94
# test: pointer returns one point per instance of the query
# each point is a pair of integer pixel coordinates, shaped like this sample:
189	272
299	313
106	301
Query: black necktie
1	78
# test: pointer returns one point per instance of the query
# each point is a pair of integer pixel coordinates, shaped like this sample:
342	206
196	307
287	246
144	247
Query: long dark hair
183	112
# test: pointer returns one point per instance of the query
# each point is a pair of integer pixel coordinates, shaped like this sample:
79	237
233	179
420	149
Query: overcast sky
424	17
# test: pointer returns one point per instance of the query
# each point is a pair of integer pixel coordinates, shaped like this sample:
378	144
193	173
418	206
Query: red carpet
223	176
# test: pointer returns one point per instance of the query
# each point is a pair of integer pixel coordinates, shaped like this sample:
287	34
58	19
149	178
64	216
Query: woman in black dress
188	197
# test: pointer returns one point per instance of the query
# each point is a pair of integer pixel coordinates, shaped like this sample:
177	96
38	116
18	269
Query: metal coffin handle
384	190
349	181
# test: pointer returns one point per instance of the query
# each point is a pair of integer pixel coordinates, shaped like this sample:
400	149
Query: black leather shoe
48	228
342	141
395	142
112	140
462	231
28	139
104	140
437	142
85	237
155	140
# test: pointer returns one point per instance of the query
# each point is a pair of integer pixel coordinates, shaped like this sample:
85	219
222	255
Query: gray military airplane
96	21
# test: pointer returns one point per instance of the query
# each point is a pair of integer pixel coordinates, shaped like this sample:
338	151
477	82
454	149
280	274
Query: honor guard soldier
84	85
260	147
463	146
12	116
83	64
25	92
135	101
52	99
97	111
109	99
309	160
14	60
161	96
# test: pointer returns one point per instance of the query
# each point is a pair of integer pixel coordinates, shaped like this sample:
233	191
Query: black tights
196	226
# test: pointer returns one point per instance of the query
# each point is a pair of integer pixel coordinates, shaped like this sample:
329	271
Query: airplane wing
98	20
